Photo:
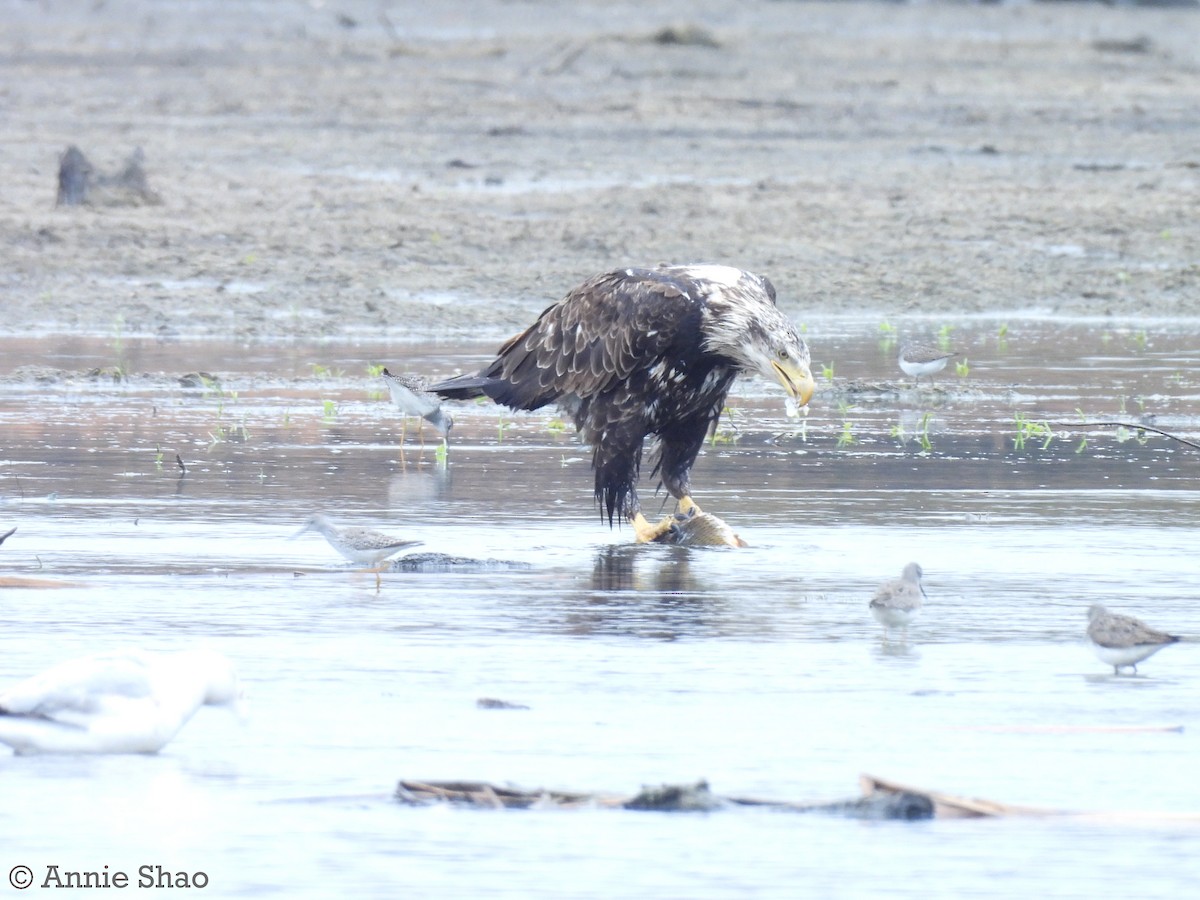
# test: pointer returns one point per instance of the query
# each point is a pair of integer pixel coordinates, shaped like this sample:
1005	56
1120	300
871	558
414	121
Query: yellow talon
688	507
647	533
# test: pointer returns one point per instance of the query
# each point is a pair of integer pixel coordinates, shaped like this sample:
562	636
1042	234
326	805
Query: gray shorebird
920	359
360	545
897	602
411	396
115	702
1123	640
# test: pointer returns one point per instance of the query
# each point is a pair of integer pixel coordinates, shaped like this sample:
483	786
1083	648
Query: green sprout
1027	429
846	437
887	336
943	337
926	444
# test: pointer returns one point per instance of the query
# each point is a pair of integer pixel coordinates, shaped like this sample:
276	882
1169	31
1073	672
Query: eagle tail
462	387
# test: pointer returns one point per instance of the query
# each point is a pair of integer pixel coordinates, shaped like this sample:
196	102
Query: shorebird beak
796	379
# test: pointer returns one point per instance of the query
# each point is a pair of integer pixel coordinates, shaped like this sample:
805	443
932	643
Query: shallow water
758	669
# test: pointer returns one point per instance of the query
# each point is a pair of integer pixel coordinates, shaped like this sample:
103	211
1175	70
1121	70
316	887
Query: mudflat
329	168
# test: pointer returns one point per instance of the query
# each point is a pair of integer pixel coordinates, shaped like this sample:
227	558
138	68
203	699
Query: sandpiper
360	545
410	395
897	602
1123	640
920	359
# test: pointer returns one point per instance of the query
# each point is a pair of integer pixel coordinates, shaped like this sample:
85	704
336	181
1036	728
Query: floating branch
1132	426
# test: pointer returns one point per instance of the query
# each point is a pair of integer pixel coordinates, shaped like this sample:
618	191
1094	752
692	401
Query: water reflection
889	651
419	485
639	567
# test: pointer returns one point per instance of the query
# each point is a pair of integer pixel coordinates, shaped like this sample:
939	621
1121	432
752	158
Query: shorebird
897	602
115	702
1123	640
919	359
410	395
360	545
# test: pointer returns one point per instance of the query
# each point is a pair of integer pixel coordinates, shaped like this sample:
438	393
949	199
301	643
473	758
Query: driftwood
953	806
662	798
16	581
881	799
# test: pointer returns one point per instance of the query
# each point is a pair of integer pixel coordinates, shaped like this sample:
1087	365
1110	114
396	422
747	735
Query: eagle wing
597	336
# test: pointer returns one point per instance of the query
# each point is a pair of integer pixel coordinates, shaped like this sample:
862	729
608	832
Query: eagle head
743	324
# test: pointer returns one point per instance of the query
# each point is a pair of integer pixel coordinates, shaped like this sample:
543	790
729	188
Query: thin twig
1132	427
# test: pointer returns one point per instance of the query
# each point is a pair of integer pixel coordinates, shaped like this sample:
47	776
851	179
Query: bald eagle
640	352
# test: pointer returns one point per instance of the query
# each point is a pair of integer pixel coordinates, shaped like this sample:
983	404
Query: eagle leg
688	507
648	533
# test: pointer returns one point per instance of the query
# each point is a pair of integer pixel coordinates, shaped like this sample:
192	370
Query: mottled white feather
126	702
1121	640
360	545
897	602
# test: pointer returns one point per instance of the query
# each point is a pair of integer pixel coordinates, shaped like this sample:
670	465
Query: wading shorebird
410	394
919	359
897	602
359	545
1123	640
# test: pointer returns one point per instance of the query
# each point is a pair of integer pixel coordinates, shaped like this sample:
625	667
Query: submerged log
696	797
882	799
676	798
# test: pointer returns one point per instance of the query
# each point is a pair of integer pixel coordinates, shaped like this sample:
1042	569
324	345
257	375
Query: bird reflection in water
662	569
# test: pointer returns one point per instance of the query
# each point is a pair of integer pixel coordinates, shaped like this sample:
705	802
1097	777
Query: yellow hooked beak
797	380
